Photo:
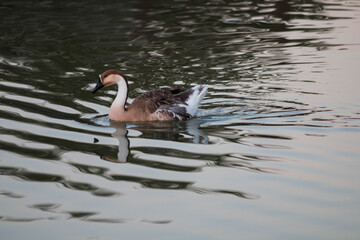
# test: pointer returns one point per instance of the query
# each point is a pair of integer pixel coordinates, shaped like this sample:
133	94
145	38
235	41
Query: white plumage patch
195	98
163	113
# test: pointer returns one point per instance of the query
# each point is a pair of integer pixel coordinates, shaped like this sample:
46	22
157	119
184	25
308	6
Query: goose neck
121	97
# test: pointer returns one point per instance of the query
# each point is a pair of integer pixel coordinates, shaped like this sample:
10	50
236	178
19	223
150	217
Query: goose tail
196	95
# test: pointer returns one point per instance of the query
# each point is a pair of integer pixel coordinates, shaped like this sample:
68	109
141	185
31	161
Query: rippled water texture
273	152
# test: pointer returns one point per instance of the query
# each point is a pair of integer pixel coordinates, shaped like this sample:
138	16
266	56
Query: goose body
155	105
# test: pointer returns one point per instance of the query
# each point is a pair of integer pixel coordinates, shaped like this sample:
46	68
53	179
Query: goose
161	104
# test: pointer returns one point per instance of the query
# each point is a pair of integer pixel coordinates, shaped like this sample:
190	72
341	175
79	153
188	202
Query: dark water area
273	152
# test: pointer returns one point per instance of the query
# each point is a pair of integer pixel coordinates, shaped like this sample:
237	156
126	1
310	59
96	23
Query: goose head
108	78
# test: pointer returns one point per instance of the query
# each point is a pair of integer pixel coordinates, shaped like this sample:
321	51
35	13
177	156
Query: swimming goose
155	105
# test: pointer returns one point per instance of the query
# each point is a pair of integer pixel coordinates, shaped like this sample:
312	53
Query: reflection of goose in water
170	131
192	128
124	146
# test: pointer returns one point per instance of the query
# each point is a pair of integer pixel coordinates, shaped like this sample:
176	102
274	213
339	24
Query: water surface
273	152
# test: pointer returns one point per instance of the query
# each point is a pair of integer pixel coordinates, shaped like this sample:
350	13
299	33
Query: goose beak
98	86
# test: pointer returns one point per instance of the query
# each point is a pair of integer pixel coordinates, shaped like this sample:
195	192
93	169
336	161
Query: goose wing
162	103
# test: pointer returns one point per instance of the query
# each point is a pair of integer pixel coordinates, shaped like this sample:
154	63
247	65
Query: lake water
273	153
